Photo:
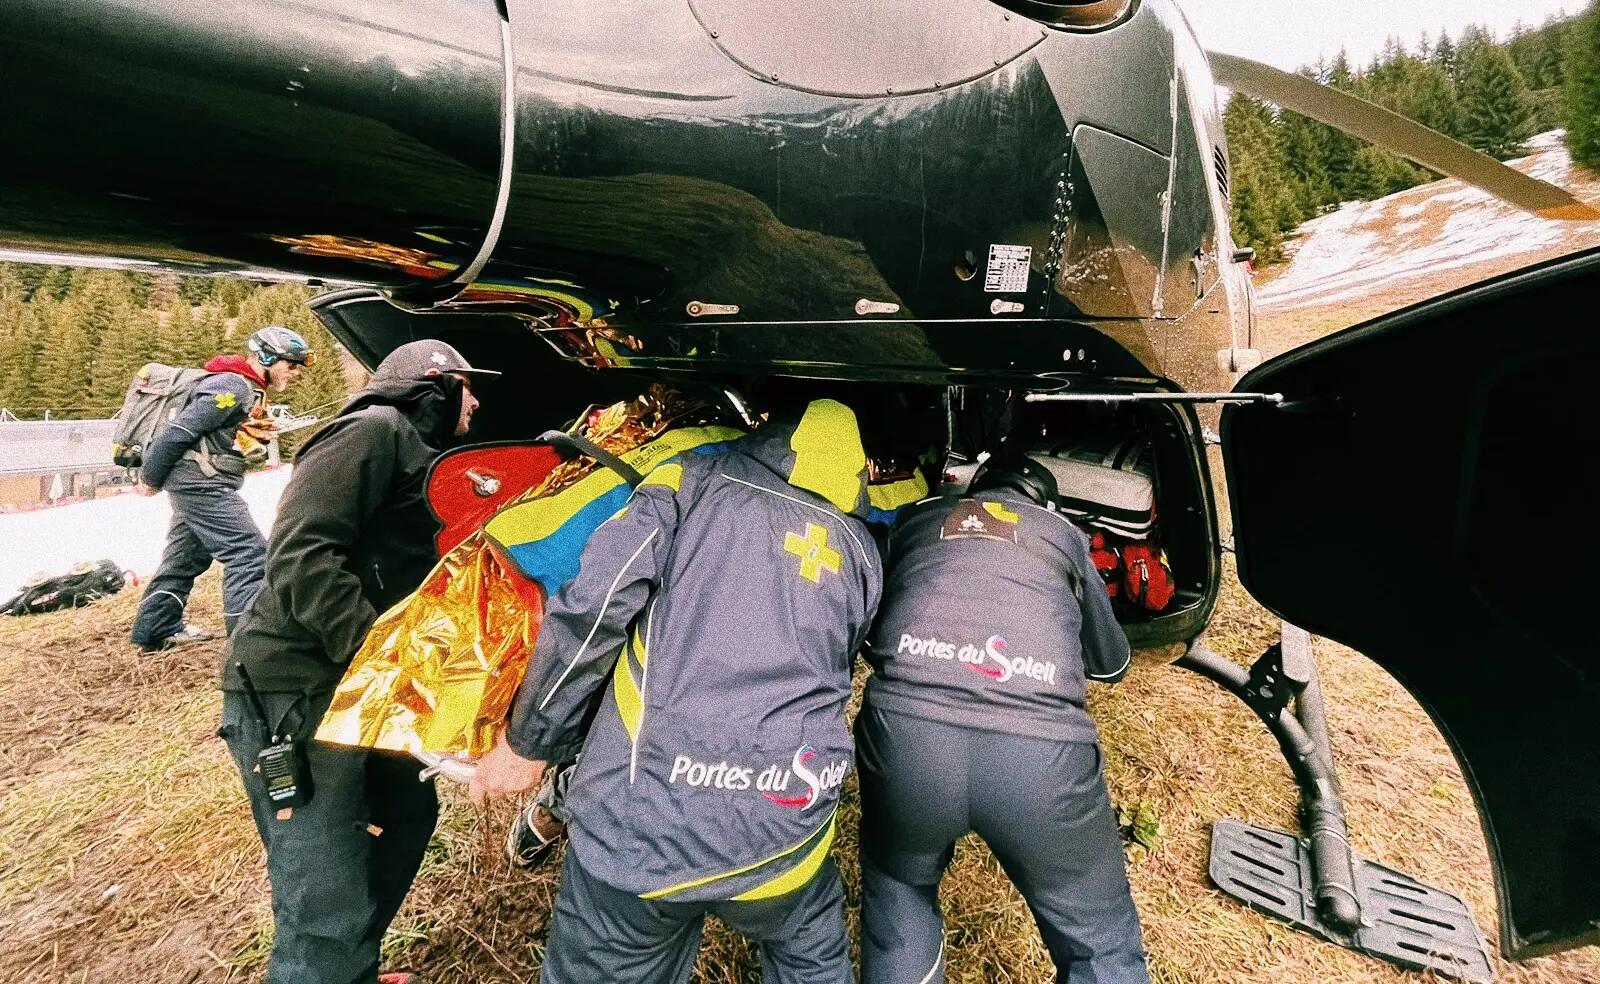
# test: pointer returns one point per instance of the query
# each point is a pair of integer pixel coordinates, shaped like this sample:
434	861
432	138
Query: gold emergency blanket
438	672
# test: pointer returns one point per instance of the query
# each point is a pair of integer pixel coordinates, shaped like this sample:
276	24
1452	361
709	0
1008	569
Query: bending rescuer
719	612
992	618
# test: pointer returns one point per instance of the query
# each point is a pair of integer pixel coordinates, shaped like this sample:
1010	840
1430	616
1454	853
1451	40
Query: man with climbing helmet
195	459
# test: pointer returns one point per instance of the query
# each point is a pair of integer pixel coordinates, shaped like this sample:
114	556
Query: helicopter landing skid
1403	921
1316	883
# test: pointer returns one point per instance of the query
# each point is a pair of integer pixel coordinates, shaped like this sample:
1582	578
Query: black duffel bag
87	582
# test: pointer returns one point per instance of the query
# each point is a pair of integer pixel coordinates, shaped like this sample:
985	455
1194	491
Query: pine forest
1491	95
72	339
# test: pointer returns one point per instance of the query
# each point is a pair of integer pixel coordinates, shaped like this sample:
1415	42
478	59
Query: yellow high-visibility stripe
827	829
647	457
669	475
639	649
630	704
828	458
794	877
893	495
538	518
1000	512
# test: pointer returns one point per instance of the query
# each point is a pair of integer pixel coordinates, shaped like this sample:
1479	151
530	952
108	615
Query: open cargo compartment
1163	441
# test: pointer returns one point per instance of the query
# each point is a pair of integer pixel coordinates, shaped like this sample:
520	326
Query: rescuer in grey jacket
720	610
993	616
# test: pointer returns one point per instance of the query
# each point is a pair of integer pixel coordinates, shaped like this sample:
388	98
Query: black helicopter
962	194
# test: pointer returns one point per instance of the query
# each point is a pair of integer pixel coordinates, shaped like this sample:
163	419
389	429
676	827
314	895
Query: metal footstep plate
1403	921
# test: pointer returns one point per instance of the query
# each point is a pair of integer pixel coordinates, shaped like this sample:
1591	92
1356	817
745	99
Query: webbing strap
571	445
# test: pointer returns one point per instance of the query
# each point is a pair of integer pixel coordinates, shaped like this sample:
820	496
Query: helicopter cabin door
1427	494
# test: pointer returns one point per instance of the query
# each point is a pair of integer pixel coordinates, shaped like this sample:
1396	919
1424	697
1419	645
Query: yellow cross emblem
814	553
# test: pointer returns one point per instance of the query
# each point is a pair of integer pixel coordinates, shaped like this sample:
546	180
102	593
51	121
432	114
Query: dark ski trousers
604	934
209	521
1040	804
340	865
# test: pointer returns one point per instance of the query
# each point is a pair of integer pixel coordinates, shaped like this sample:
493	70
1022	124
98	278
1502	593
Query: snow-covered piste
1420	233
127	528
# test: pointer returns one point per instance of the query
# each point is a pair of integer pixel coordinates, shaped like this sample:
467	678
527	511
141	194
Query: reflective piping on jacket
1074	527
801	502
1114	673
156	594
938	961
825	830
598	618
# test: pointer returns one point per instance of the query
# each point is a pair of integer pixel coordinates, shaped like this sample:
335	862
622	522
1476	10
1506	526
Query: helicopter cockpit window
1072	15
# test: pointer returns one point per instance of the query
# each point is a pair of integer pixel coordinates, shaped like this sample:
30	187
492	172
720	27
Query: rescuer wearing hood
992	618
719	612
195	462
353	536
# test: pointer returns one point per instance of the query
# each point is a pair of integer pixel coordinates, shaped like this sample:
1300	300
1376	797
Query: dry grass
126	849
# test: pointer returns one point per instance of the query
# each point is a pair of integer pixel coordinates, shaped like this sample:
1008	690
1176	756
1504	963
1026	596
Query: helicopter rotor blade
1390	130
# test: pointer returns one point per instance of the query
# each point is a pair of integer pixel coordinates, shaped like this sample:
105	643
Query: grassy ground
126	849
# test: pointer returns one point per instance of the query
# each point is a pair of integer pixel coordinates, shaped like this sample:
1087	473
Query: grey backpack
156	396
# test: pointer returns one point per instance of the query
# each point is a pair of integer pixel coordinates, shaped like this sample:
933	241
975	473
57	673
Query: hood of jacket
238	364
433	405
817	449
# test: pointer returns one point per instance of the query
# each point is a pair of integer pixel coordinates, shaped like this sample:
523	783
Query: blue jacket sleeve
219	402
1106	655
587	621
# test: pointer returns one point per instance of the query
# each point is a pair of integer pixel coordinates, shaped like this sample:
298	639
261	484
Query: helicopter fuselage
900	190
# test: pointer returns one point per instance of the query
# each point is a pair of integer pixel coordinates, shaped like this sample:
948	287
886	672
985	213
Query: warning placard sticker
1007	272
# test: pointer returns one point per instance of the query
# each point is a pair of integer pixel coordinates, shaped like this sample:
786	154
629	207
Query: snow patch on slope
1419	233
128	529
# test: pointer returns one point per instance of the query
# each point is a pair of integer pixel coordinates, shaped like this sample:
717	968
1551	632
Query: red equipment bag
1134	571
1146	578
1106	563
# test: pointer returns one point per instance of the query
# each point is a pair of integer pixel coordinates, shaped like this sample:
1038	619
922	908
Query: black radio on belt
282	764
